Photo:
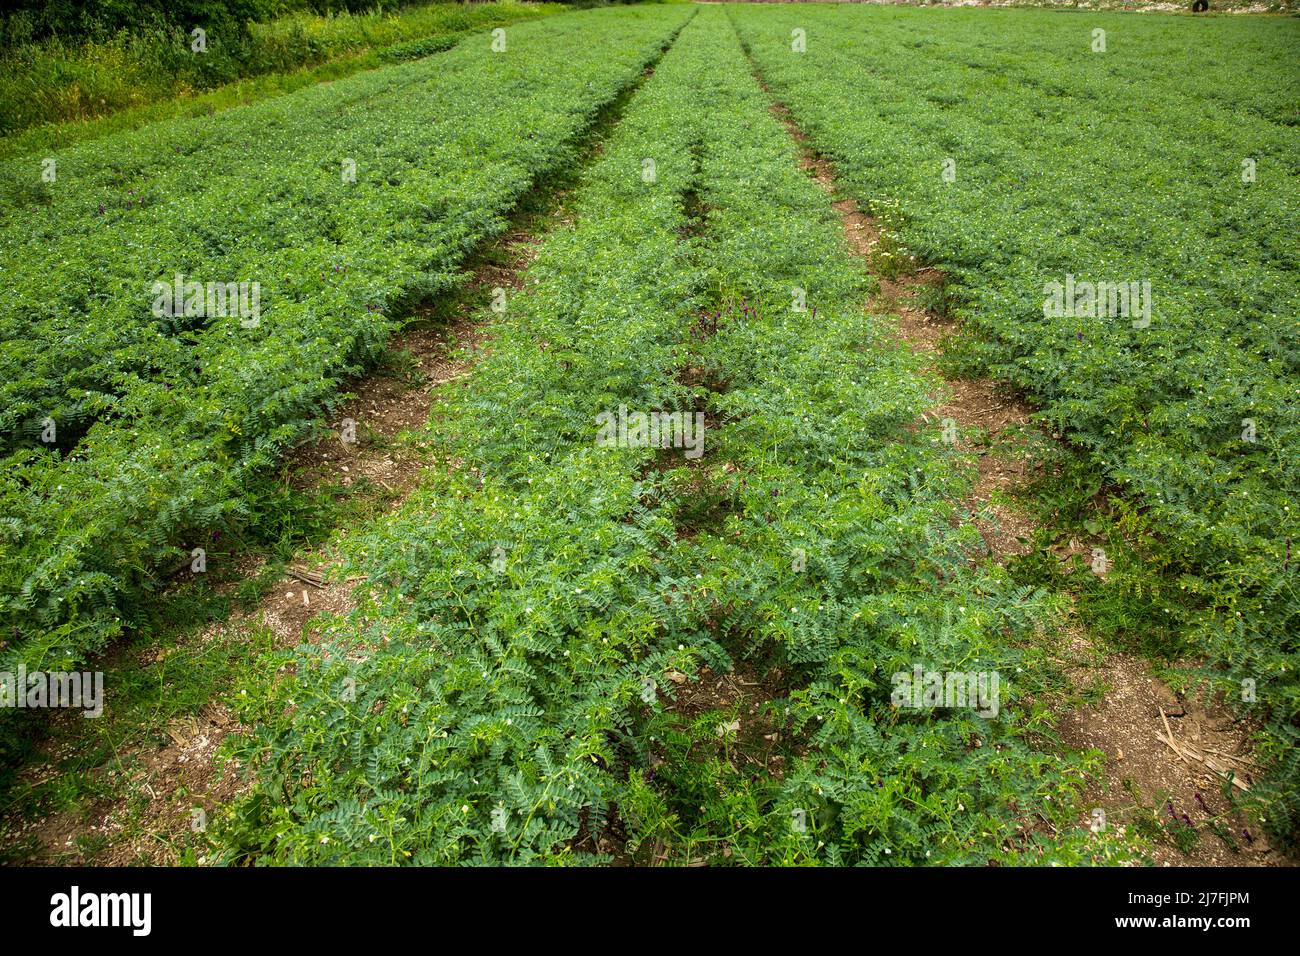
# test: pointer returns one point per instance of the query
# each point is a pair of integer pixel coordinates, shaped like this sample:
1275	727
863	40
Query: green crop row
1013	159
830	559
505	692
131	432
515	602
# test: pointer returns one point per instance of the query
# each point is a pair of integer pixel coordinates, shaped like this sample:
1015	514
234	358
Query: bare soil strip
1134	713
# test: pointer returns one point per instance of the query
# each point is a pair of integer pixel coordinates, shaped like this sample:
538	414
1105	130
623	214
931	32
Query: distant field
854	345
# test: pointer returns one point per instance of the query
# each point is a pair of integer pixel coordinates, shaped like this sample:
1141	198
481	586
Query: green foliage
164	427
1109	166
479	689
562	652
474	711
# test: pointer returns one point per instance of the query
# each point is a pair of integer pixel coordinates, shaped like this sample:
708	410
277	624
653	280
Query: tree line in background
35	20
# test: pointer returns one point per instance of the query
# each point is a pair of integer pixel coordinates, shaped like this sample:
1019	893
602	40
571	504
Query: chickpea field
720	434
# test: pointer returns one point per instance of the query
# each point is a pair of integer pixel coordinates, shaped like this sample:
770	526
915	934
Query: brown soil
745	735
1128	726
384	406
752	735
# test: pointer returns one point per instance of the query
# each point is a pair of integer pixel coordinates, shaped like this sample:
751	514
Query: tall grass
57	80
